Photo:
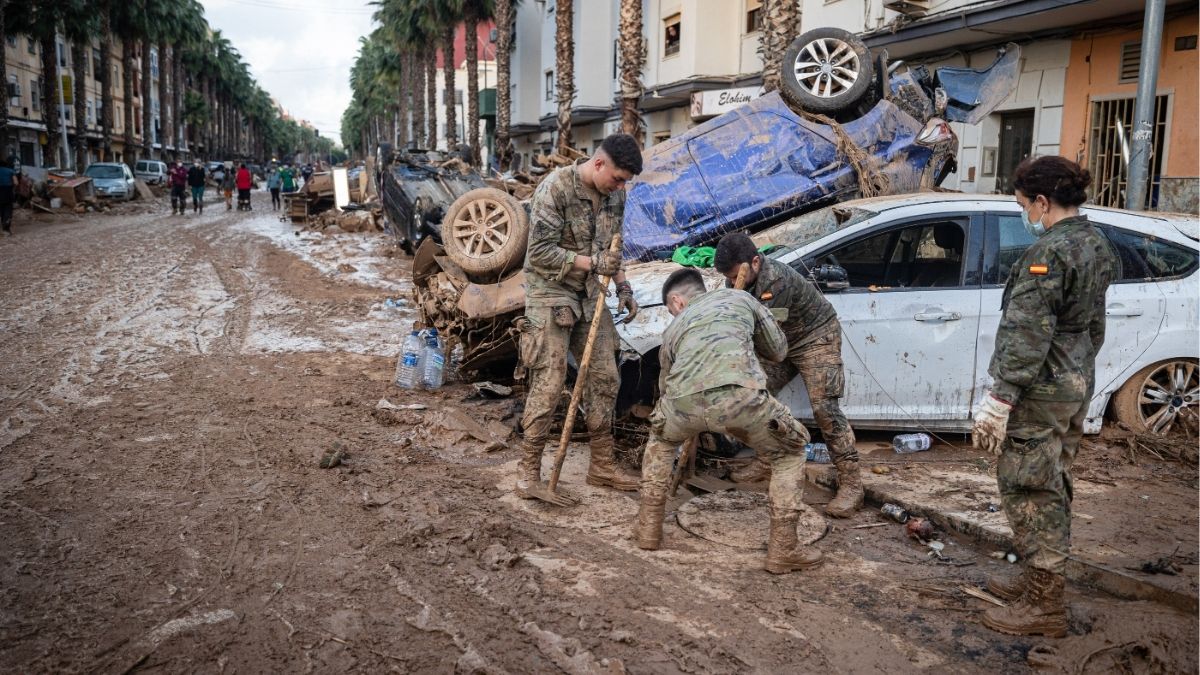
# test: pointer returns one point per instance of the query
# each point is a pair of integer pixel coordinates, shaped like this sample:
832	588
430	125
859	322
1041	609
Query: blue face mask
1036	228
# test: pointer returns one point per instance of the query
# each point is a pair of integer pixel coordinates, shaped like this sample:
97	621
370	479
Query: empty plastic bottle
408	365
817	453
434	372
906	443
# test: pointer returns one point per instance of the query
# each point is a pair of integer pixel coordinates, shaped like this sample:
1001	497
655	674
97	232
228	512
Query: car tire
1159	398
810	63
485	232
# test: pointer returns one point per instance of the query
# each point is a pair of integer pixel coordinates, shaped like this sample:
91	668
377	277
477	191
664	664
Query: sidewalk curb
1112	581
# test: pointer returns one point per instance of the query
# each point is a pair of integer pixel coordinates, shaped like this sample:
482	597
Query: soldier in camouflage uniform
575	213
711	381
814	338
1044	369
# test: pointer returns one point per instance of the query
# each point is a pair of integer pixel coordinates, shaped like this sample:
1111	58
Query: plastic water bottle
434	372
817	453
407	366
906	443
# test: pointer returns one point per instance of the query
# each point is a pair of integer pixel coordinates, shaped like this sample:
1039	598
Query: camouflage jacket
563	224
712	343
1052	323
780	287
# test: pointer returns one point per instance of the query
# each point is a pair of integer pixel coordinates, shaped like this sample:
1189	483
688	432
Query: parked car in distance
917	281
150	171
113	180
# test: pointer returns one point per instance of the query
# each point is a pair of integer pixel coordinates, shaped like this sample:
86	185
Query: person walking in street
814	337
244	183
178	179
8	196
287	177
273	184
575	213
711	381
196	181
1044	372
228	183
306	172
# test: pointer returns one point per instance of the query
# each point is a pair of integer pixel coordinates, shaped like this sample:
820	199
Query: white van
151	171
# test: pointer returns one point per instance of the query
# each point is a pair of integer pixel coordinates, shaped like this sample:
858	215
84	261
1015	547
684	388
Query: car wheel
485	231
826	70
1160	397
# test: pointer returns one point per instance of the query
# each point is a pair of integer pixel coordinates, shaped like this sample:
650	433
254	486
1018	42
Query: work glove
991	424
607	264
625	302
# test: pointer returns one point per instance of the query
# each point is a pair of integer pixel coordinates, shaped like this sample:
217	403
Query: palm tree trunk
50	98
564	64
147	110
4	136
449	88
79	71
406	88
106	86
417	92
781	21
633	60
127	88
177	86
472	116
504	22
164	110
431	99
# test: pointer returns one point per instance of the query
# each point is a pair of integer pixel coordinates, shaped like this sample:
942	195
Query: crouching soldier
712	381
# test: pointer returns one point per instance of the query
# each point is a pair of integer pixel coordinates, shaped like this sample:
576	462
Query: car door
909	319
1134	306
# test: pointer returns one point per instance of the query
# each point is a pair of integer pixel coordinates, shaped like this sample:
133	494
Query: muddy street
170	386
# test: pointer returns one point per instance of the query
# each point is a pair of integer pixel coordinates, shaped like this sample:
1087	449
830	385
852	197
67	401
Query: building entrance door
1016	143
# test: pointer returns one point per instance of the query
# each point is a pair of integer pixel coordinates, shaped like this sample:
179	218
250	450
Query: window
662	137
616	59
91	112
1014	239
96	64
11	39
753	16
671	35
549	86
929	255
62	54
1185	43
1109	138
1144	257
1131	62
32	46
35	94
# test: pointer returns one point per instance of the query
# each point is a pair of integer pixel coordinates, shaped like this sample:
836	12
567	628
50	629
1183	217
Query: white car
925	277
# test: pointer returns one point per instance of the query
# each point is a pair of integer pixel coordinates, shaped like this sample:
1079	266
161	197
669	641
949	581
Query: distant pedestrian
196	180
273	184
8	181
244	182
178	180
307	172
228	182
287	176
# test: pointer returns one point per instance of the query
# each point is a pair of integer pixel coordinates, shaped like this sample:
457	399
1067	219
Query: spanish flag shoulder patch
1040	270
766	296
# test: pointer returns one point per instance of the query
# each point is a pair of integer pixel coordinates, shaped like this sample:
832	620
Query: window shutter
1131	61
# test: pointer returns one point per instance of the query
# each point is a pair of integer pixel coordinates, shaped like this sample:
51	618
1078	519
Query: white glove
991	424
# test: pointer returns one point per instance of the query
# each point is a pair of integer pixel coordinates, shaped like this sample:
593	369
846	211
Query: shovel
549	492
687	456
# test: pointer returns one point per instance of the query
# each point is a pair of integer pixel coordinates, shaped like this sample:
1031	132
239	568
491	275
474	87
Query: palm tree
633	60
128	23
106	93
564	65
504	26
445	14
781	21
193	31
474	11
4	138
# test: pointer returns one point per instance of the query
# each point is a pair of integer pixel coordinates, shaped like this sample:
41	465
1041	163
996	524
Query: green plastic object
702	256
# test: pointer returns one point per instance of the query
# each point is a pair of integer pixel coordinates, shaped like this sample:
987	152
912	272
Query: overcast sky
299	52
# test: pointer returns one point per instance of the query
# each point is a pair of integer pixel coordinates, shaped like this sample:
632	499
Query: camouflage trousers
548	334
819	364
1034	477
752	416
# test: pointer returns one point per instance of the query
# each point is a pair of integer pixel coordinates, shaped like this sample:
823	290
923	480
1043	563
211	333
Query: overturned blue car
844	124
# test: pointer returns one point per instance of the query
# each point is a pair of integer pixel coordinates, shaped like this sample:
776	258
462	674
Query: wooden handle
581	375
740	283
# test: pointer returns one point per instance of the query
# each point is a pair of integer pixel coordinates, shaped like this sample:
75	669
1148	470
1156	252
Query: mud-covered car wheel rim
482	228
1168	394
827	67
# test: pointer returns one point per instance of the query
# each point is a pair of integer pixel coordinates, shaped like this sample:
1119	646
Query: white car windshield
105	172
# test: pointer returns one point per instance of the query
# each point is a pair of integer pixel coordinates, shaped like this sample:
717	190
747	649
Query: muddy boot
756	471
784	553
530	467
603	470
849	497
1007	589
648	531
1040	611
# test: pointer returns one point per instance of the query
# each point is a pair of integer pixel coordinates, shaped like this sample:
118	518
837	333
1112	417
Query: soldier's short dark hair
1061	181
624	151
733	250
686	281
